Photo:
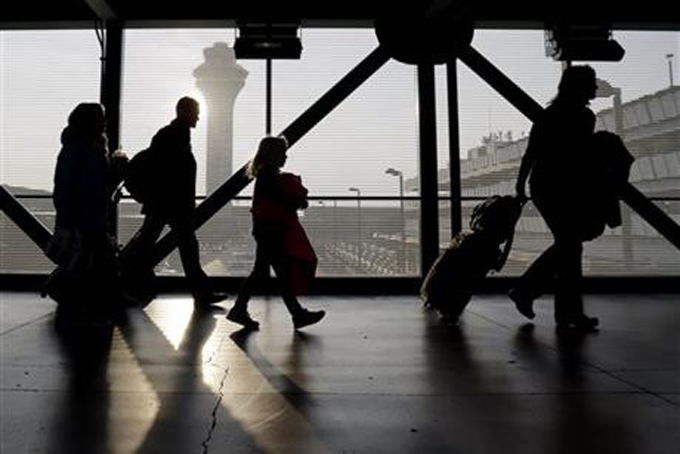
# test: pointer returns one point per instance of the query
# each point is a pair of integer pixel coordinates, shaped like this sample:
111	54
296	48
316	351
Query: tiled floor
379	375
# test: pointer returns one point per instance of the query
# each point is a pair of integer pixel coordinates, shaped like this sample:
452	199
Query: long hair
268	155
86	122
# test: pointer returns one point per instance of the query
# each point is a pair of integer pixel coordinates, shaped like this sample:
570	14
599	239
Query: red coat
276	199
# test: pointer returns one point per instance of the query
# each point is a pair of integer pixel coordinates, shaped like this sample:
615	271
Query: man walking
172	199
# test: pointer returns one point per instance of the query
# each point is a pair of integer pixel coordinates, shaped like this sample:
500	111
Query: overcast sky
44	74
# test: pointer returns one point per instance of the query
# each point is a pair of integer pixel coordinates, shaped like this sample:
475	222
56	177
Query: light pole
359	236
669	57
402	255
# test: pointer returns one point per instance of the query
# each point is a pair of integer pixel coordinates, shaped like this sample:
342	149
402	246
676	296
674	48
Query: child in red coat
281	240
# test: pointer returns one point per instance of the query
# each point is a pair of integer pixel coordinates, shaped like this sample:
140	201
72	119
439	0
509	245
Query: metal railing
367	236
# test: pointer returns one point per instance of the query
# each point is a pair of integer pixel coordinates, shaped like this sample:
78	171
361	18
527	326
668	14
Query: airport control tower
220	80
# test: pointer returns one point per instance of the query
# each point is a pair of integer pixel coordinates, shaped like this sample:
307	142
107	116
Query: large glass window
342	160
358	160
43	76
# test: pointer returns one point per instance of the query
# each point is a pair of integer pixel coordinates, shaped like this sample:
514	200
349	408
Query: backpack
139	176
497	215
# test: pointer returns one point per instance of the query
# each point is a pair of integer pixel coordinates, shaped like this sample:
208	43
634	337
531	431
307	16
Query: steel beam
24	219
501	83
651	213
111	80
454	147
429	189
110	95
333	97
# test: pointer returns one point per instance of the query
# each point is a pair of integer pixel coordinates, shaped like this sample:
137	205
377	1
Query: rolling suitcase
471	255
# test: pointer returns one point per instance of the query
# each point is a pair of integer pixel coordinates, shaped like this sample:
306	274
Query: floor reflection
176	375
280	415
293	390
220	382
575	420
81	422
473	369
167	379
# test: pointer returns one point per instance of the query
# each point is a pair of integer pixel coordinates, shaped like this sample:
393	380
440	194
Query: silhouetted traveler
85	283
558	164
281	240
172	202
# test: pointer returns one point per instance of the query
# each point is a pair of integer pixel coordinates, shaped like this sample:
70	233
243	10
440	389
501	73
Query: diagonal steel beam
501	83
644	207
24	219
663	223
333	97
296	130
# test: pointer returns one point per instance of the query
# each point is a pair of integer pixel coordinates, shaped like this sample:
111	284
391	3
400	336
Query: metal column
109	95
454	147
111	77
24	219
429	196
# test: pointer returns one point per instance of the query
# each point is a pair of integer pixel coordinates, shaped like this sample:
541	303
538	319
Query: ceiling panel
650	13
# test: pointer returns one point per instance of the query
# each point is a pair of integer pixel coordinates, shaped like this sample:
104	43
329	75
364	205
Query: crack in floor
205	444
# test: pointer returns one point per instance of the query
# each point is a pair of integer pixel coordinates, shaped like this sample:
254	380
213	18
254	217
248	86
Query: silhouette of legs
563	260
137	264
145	238
270	254
239	313
142	245
568	299
88	289
532	284
191	262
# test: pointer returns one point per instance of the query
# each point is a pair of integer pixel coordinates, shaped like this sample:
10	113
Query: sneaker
242	317
523	305
307	317
208	299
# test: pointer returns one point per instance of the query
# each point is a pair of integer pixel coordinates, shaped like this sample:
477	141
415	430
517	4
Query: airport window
371	131
357	161
43	76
